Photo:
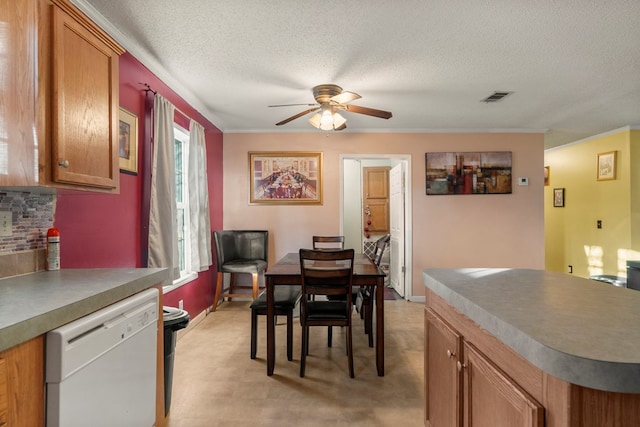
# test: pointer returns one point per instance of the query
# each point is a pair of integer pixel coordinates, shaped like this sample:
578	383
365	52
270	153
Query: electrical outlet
599	223
5	224
180	304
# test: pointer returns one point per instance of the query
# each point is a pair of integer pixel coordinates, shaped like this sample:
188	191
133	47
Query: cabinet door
376	198
491	399
84	105
443	381
18	102
22	384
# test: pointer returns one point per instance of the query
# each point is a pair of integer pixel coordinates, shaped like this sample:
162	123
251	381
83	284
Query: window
181	147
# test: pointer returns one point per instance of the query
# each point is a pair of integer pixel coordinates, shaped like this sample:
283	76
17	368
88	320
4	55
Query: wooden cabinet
464	388
491	398
443	348
376	198
22	384
61	118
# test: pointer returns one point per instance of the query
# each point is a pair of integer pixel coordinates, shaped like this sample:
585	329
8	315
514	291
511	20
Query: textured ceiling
573	65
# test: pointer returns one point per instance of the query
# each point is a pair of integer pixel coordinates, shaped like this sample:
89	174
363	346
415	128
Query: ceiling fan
330	99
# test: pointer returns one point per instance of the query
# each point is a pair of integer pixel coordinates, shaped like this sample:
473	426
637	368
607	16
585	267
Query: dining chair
285	299
326	273
364	297
328	242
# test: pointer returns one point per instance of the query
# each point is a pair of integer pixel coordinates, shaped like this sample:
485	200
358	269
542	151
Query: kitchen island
530	347
33	304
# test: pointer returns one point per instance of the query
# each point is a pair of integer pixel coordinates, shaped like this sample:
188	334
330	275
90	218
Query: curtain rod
148	89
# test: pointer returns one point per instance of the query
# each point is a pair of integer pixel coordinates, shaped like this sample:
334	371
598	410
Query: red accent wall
103	230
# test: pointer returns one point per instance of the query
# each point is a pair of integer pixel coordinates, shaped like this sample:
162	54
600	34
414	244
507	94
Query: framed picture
285	178
606	166
547	175
128	142
483	172
558	197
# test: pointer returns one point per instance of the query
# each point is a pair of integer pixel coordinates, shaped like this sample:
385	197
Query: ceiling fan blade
285	121
345	96
343	127
369	111
292	105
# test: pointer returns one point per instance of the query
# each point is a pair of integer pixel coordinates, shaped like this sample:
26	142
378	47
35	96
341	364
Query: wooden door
18	150
85	104
492	399
443	380
397	270
375	195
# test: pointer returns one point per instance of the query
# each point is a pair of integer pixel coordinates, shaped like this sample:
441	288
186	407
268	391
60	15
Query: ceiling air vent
496	96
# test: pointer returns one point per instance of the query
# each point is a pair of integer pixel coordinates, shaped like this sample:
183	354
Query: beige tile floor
215	383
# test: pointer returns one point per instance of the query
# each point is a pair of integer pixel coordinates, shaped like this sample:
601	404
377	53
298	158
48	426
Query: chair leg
290	335
232	284
329	335
216	296
254	333
254	280
305	349
350	351
368	321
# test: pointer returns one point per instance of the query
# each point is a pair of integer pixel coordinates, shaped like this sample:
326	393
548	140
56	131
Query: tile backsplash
31	215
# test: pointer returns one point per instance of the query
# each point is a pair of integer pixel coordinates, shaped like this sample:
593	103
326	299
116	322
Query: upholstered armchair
240	252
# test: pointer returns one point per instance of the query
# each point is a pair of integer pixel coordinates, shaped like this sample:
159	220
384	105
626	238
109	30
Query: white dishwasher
101	369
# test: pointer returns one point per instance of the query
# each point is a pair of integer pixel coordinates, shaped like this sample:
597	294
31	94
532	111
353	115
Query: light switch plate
5	224
523	181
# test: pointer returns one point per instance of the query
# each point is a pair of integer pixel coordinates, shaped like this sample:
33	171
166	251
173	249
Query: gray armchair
240	252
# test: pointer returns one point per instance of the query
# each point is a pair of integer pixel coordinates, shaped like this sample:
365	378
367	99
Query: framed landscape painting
285	178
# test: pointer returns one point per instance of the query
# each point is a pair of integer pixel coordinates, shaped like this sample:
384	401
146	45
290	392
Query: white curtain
163	234
199	199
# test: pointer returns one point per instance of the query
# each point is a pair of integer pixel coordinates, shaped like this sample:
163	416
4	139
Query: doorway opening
353	221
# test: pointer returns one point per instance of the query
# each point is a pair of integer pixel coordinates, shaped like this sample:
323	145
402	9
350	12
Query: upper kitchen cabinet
63	116
18	100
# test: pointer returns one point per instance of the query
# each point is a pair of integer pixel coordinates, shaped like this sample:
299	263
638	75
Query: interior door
396	247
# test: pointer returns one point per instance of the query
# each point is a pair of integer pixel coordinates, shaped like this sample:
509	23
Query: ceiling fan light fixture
338	121
315	120
326	121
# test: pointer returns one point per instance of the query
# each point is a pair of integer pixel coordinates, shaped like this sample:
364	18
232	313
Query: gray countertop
582	331
33	304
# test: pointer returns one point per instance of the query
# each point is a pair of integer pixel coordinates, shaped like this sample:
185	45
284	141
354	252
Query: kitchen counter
33	304
581	331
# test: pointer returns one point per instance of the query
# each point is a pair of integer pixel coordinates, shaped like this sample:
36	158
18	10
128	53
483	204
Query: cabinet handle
450	354
460	366
64	163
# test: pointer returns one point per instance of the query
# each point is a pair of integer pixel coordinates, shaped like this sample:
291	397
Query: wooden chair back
328	242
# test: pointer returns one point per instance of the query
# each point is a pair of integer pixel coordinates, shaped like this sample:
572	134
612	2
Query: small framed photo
128	142
558	197
606	166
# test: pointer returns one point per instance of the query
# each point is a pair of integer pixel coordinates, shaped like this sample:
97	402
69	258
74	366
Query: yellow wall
447	231
571	234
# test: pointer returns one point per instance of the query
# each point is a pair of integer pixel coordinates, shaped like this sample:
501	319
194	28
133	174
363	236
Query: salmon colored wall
103	231
572	236
447	231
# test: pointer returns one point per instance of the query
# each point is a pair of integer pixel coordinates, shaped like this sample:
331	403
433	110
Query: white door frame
406	158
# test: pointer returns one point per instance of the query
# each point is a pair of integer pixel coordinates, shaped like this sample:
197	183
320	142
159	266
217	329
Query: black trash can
174	320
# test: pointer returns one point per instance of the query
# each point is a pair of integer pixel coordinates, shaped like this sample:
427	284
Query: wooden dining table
287	272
